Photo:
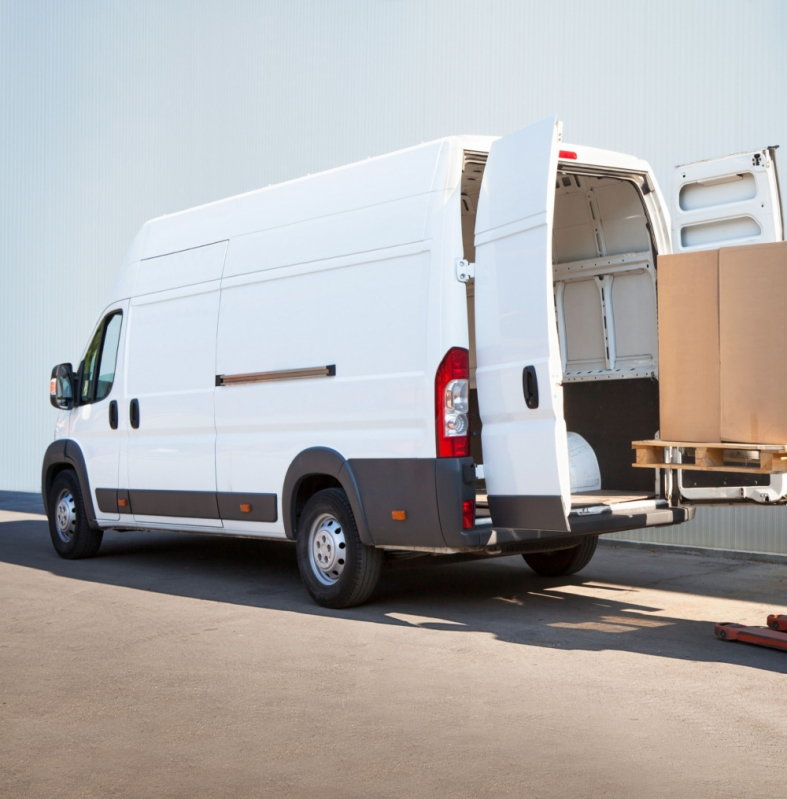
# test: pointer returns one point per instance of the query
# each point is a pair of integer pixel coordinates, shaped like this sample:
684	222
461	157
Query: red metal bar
777	622
762	636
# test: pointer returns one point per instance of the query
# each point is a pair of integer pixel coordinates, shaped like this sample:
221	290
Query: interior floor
585	500
590	498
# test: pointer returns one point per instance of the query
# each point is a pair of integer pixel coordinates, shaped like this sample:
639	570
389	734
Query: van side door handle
113	414
530	387
133	413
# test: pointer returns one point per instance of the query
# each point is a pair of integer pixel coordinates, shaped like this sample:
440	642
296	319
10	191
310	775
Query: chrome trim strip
281	374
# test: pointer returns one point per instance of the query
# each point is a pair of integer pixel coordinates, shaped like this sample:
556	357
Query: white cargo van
444	350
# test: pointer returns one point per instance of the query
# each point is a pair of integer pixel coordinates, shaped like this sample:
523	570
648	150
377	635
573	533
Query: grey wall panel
745	528
112	113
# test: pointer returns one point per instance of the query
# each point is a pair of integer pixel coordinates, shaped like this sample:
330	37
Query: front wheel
71	534
564	561
338	570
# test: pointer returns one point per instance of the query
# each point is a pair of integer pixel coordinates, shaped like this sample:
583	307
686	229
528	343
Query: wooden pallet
714	457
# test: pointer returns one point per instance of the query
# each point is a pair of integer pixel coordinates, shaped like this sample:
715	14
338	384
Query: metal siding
113	113
746	528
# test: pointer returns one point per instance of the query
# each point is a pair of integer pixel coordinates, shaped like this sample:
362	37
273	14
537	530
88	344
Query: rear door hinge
465	271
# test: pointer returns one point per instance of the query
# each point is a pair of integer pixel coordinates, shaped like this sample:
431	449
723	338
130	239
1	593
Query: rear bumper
581	525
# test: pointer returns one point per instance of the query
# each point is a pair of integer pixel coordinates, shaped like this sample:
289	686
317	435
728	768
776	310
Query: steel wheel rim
327	549
65	516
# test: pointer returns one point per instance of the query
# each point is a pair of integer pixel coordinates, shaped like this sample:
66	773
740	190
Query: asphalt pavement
194	666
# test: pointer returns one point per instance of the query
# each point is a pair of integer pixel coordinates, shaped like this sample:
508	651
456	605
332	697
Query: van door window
109	354
89	368
98	368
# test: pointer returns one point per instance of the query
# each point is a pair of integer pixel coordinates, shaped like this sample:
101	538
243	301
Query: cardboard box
753	343
689	363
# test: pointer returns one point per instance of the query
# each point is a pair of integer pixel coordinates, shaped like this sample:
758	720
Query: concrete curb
21	501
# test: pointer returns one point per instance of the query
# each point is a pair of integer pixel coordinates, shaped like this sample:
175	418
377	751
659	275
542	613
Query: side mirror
61	387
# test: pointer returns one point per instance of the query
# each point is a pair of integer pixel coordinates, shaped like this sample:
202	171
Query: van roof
375	180
433	166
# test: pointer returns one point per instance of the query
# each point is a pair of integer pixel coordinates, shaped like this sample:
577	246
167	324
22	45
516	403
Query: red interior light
567	155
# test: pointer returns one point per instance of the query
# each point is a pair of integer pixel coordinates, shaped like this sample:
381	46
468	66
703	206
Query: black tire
71	535
564	561
327	532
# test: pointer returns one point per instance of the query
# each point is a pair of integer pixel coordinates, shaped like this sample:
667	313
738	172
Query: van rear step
716	457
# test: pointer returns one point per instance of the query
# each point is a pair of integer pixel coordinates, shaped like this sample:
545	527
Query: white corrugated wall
746	528
115	112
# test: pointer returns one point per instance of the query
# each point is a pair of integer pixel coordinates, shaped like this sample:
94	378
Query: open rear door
519	370
718	203
726	201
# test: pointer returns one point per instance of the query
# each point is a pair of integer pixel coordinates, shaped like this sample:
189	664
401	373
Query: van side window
109	355
98	369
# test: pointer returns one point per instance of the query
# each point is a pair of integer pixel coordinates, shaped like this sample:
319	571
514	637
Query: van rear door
723	202
519	369
726	201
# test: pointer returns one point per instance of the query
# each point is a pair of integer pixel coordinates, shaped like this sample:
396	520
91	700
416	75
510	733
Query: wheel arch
313	470
66	454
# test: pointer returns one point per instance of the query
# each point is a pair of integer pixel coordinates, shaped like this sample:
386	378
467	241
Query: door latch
465	271
133	413
530	387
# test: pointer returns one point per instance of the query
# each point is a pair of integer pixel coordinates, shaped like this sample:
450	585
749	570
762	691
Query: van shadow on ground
499	597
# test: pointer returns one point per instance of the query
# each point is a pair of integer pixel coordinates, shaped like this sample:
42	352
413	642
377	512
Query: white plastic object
584	474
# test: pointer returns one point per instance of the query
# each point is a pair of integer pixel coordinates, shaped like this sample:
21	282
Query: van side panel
369	321
357	287
352	269
186	268
315	241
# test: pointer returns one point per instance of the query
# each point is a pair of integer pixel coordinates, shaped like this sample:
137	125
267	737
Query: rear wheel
68	527
338	570
564	561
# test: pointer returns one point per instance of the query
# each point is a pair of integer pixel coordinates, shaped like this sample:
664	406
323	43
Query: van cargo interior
604	280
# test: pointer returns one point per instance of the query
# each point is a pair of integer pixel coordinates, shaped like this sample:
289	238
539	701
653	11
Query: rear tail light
468	514
567	155
452	402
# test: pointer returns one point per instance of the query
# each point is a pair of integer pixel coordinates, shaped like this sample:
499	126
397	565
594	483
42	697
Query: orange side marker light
245	508
398	515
